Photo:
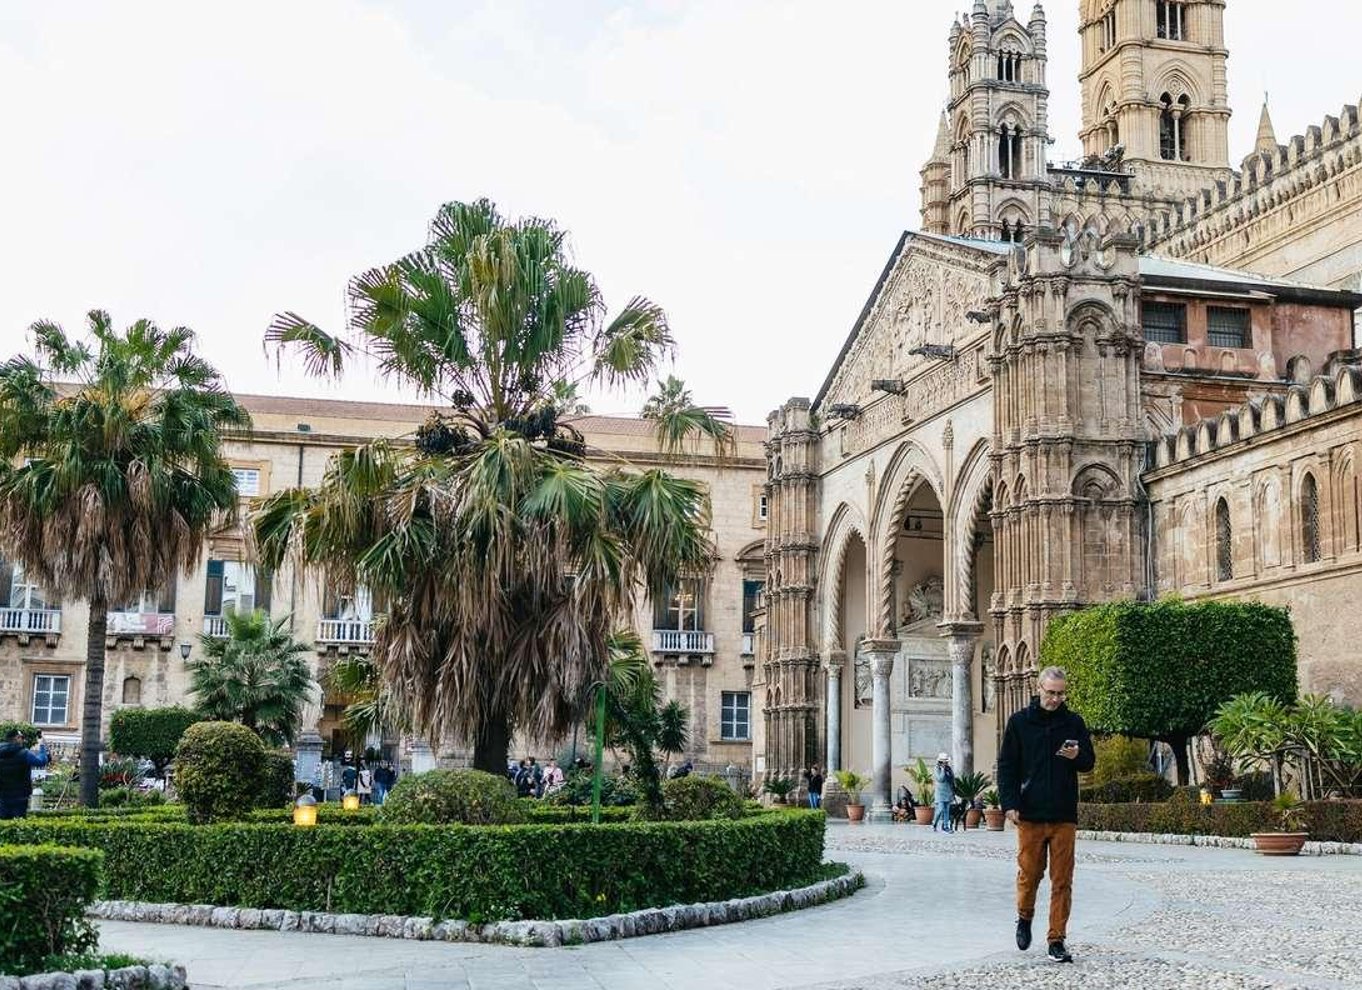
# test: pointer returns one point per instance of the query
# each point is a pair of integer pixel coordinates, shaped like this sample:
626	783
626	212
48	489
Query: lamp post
305	811
184	650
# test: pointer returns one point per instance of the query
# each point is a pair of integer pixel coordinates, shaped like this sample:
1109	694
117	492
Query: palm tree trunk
92	717
492	744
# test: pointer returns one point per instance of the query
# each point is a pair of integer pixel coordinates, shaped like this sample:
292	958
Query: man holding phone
1045	747
17	763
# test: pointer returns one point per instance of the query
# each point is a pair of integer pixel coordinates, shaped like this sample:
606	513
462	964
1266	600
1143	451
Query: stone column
307	756
881	653
835	662
960	639
422	756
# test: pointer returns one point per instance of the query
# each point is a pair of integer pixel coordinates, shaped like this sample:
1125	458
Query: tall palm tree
111	474
506	556
255	675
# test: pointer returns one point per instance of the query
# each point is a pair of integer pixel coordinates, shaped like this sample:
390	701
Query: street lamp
305	811
350	800
184	650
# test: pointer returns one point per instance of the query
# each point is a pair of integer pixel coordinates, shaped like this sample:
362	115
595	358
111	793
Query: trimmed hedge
44	890
695	798
150	732
1329	821
447	797
1137	787
217	770
478	873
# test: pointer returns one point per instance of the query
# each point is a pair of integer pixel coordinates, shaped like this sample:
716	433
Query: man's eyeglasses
1054	694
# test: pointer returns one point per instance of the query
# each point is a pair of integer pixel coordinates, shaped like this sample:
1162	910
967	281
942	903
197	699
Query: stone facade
292	443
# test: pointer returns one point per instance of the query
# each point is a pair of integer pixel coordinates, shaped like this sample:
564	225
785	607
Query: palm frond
323	354
630	347
679	424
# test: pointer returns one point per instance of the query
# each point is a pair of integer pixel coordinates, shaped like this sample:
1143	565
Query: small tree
150	733
256	675
1160	671
217	770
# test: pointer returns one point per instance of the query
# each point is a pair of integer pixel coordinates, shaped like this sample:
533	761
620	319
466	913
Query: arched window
1010	151
132	691
1009	67
1310	519
1170	20
1224	549
1173	119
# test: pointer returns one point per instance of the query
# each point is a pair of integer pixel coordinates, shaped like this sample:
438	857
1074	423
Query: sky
747	164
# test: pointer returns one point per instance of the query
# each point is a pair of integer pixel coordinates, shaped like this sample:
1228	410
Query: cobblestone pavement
937	912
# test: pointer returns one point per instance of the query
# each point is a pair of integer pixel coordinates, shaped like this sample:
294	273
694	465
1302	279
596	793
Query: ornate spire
942	151
1267	137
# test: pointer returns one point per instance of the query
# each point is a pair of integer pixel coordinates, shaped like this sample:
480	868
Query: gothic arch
973	494
1097	483
910	466
1177	78
1012	113
847	523
1012	34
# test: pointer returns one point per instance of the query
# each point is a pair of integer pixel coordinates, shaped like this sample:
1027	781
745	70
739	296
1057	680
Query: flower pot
1279	843
995	818
1230	795
924	813
855	812
972	817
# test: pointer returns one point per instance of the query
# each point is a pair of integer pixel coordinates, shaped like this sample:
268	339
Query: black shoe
1023	933
1058	953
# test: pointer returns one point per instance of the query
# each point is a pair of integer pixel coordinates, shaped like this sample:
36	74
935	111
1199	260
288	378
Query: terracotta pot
855	812
1279	843
924	813
996	818
972	817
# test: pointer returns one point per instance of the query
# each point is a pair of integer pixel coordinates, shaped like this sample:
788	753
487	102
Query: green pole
598	771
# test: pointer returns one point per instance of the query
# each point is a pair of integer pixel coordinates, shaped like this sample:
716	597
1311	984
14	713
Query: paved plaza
937	912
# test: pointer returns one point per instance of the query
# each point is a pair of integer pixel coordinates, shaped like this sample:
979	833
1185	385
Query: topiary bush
44	890
1136	787
449	797
151	733
274	780
217	771
695	798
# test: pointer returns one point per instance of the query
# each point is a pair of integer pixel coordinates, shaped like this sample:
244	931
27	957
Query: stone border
1217	841
649	921
124	978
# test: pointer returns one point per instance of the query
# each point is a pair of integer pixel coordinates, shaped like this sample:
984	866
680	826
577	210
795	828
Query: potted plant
779	788
1288	814
994	818
968	787
852	782
926	790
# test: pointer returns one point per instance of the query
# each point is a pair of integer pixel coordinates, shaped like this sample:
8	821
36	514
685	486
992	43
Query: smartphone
1067	744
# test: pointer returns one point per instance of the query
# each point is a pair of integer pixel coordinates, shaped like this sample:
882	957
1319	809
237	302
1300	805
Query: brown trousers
1034	840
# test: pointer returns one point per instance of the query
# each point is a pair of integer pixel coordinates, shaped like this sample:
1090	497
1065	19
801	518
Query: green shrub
1330	821
274	780
130	798
1137	787
695	798
476	873
44	890
1117	756
446	797
29	730
615	790
152	733
217	770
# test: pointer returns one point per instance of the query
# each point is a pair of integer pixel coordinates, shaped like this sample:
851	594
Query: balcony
141	624
215	626
30	621
749	644
682	641
345	632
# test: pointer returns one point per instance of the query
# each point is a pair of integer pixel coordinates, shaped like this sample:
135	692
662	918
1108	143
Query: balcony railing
215	626
141	624
749	644
345	632
682	641
30	620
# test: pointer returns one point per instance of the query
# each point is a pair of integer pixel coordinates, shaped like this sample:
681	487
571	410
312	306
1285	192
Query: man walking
944	790
17	763
1045	748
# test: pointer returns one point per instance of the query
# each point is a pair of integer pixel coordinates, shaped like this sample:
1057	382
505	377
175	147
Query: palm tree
111	474
507	557
255	675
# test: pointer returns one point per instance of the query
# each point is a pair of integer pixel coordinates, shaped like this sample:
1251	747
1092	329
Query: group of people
370	781
532	780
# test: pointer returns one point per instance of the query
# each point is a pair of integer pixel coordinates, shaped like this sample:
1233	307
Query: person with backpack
17	763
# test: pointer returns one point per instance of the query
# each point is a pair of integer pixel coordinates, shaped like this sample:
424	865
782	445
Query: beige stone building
701	638
1128	376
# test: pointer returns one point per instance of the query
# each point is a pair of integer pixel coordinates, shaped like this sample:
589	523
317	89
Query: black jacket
1032	778
16	772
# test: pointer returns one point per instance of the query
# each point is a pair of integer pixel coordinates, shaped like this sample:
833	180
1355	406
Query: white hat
943	758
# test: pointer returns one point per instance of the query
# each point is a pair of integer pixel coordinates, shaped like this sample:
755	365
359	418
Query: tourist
815	786
1045	747
553	777
365	784
536	778
17	763
524	779
945	792
384	778
349	776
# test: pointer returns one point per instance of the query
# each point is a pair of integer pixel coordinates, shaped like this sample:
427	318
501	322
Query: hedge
478	873
150	732
1136	787
44	890
1330	821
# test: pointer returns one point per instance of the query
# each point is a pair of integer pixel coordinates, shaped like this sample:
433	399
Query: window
751	596
359	605
51	699
1224	551
735	715
247	481
1108	31
1170	20
1227	326
761	508
1009	67
132	691
683	607
18	590
151	603
1310	519
235	587
1164	323
1011	233
1009	151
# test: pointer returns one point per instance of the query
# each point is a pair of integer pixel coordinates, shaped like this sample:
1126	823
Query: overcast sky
748	165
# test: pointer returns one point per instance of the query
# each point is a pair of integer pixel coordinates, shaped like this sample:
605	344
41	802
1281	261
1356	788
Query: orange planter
855	812
924	814
1279	843
995	818
972	817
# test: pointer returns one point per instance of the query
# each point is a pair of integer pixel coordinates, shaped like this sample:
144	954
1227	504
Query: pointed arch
910	467
847	524
973	497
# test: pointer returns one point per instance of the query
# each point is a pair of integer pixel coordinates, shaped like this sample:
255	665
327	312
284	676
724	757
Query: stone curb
649	921
125	978
1218	842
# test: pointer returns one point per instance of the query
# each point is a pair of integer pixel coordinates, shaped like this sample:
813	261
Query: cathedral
1123	377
